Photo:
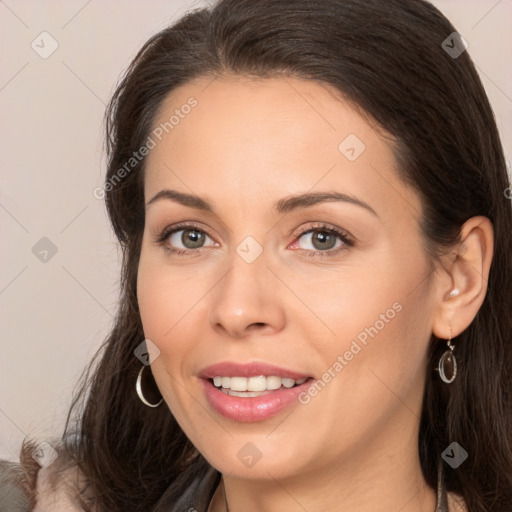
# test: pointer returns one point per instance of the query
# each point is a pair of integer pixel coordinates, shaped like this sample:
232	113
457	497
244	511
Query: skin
247	144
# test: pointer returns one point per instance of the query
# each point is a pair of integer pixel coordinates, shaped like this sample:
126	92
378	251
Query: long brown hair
387	59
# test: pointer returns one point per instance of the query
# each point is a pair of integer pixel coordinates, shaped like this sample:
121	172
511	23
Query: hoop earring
447	366
138	388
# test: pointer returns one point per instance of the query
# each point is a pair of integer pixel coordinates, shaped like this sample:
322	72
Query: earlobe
464	286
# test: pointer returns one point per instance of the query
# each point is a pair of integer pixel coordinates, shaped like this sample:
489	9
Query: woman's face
297	246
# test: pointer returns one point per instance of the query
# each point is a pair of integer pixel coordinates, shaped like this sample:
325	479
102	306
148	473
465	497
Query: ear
462	280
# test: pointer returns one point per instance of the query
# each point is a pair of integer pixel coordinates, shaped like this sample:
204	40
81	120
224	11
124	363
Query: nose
248	300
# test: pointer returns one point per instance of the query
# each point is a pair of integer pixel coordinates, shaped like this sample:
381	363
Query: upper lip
251	369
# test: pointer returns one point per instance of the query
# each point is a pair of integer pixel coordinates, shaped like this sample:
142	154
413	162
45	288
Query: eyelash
322	228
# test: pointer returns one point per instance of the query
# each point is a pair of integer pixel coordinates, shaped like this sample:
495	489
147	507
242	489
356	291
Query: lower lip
255	408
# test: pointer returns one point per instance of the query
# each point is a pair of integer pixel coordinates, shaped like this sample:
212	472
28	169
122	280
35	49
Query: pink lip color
229	369
251	409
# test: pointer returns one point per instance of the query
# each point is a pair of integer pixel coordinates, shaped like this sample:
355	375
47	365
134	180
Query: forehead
260	114
268	136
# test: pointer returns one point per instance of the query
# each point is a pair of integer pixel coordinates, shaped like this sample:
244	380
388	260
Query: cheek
170	311
160	311
152	301
378	320
373	372
164	296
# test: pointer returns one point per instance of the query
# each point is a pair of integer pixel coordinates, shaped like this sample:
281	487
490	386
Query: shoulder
55	490
13	496
51	484
50	489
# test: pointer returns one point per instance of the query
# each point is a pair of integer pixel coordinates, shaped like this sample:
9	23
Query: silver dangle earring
447	366
138	388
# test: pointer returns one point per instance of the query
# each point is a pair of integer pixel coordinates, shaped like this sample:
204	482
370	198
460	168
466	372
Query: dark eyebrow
304	200
189	200
285	205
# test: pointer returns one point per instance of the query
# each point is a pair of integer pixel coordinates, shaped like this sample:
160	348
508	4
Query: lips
253	369
251	407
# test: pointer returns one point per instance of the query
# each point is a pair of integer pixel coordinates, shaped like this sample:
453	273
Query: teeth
254	384
237	384
273	382
288	383
244	394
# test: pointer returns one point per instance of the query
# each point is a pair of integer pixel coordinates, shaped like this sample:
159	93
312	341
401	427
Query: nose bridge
245	296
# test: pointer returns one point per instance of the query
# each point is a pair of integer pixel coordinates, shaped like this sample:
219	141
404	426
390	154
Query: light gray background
55	314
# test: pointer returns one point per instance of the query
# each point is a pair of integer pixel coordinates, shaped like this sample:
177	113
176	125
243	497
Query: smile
253	391
254	386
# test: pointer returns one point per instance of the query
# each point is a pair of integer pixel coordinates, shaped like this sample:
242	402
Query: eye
323	240
189	238
316	241
183	240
